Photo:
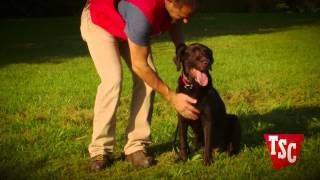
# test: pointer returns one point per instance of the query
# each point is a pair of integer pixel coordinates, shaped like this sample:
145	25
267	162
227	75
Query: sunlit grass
266	70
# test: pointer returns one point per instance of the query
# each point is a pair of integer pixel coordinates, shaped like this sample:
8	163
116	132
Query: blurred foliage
48	8
303	5
260	6
40	8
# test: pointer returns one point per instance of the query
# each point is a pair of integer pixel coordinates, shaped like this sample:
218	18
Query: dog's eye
204	60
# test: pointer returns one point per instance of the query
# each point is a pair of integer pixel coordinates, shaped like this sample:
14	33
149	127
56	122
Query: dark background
54	8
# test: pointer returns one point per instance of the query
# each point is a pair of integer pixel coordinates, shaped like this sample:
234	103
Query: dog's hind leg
234	134
198	141
207	131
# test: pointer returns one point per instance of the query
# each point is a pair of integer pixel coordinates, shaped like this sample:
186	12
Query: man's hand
184	105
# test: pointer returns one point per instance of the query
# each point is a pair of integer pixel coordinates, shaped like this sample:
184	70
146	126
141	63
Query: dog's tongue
200	77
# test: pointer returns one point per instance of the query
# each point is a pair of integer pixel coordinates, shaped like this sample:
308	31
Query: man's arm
140	66
176	34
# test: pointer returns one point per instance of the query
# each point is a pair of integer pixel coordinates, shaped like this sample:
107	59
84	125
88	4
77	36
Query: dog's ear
180	49
210	54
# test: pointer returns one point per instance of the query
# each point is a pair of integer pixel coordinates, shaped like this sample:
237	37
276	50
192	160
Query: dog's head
196	61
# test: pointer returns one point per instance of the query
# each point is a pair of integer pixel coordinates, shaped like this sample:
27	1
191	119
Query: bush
260	5
303	5
223	6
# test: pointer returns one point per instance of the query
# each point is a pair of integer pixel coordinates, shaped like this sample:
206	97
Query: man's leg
138	129
104	51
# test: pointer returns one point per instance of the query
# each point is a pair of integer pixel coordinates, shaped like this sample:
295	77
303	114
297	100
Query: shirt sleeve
137	27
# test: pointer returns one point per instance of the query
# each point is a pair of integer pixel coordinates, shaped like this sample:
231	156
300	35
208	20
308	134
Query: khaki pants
105	51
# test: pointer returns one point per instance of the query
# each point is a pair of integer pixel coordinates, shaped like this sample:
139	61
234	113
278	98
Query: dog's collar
185	82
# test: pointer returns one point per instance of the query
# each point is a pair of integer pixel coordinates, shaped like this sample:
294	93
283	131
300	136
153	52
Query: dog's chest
207	98
195	92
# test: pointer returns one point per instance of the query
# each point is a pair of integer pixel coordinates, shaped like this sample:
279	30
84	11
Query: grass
266	70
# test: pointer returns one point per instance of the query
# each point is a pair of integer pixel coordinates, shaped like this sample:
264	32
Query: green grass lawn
266	70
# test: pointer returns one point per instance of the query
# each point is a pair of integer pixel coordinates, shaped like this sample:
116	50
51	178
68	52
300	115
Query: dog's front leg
198	133
183	145
207	127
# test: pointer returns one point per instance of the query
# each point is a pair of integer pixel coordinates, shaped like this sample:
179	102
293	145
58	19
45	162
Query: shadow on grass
40	40
55	40
303	120
159	149
20	169
208	25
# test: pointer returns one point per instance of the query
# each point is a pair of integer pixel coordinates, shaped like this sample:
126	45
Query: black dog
214	130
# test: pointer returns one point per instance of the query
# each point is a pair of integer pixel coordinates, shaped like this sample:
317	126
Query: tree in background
50	8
